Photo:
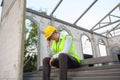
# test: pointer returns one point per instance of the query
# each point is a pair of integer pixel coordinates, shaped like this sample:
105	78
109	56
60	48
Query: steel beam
110	23
85	11
94	27
56	7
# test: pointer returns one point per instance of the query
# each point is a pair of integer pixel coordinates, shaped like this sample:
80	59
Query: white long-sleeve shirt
68	43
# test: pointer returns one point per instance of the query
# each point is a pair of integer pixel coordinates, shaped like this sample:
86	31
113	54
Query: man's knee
46	59
62	55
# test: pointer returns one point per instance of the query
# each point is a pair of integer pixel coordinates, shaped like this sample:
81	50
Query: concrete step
77	74
79	78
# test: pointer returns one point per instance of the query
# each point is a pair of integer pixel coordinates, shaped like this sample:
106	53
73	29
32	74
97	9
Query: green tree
30	50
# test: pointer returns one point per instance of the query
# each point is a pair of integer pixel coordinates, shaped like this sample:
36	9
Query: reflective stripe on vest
59	46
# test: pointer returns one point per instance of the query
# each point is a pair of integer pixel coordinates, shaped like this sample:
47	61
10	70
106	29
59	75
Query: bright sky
70	10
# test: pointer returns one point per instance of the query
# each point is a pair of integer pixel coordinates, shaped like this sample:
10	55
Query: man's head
50	33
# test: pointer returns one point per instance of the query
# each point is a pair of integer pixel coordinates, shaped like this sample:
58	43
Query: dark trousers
63	62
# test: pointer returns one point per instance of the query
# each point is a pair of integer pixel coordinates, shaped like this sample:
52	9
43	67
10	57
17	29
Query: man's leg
46	68
72	62
63	66
65	62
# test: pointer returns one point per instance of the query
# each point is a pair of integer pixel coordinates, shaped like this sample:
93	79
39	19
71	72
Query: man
62	53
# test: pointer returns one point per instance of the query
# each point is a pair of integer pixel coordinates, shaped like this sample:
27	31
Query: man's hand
51	60
48	42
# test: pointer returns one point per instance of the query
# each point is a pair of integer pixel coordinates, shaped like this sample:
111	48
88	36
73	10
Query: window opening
86	47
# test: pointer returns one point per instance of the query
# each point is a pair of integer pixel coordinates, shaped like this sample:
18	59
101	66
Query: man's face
54	36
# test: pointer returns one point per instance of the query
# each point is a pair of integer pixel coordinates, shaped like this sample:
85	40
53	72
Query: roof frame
106	23
115	28
98	26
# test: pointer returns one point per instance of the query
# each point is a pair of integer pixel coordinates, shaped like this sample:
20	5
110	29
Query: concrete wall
11	40
114	42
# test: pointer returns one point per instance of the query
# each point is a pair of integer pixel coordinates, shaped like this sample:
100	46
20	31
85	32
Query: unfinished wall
114	42
11	40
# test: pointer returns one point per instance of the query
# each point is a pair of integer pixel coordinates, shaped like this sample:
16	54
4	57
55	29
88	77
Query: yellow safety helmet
48	31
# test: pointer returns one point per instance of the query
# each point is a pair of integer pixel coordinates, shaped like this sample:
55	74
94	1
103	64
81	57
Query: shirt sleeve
50	51
67	46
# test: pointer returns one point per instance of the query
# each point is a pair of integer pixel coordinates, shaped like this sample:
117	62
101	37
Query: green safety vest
59	46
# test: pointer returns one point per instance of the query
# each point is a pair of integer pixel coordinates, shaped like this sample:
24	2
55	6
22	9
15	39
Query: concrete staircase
91	73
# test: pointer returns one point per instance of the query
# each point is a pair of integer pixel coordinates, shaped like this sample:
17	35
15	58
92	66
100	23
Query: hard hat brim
50	34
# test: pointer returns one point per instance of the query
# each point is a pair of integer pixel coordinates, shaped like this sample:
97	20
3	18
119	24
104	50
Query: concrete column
11	40
95	46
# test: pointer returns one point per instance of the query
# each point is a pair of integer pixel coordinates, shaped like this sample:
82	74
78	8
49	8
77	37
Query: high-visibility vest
59	46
